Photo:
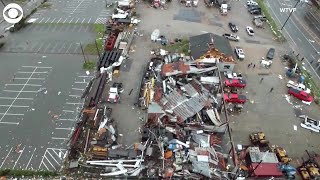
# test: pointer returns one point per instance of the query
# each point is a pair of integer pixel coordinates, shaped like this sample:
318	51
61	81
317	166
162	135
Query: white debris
59	92
32	109
88	72
288	99
39	62
280	77
120	134
307	103
44	56
295	127
46	92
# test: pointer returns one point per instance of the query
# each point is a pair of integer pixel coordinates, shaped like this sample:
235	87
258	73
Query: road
302	31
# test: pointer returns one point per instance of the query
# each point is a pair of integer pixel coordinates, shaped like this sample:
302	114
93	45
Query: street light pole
84	57
290	14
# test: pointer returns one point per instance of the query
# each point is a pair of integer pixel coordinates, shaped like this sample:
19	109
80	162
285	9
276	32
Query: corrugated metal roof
266	157
181	105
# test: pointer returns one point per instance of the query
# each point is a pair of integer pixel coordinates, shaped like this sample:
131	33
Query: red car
235	98
240	83
300	95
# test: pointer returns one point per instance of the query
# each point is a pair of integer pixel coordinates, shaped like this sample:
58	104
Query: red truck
239	83
111	40
235	98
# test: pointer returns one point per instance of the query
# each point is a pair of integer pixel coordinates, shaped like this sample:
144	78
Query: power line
290	14
3	3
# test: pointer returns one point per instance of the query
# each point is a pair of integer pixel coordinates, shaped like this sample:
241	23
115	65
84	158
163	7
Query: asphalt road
37	109
301	30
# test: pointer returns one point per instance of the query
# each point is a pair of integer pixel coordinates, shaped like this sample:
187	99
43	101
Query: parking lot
38	110
74	11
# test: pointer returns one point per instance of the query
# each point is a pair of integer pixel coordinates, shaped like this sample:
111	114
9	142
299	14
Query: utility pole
290	14
3	3
84	57
97	48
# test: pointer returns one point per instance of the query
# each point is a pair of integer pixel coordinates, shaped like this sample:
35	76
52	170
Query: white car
250	31
231	37
251	3
240	53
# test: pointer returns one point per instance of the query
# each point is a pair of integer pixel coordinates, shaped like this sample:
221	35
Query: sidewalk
27	7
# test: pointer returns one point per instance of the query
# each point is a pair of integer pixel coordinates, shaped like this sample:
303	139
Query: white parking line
53	158
38	67
47	20
77	6
78	89
41	20
77	20
18	158
69	129
65	20
40	47
71	20
35	69
2	105
59	20
69	48
23	72
45	49
9	123
43	164
21	91
50	163
79	82
53	20
83	20
31	158
68	111
76	96
73	103
89	20
32	78
60	138
9	114
85	76
61	47
36	85
6	157
16	98
67	120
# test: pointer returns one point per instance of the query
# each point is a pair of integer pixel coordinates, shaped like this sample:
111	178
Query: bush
89	65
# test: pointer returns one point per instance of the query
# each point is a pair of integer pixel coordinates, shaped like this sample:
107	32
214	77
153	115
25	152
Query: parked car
298	86
250	2
235	98
300	95
231	37
270	53
251	8
233	75
233	27
261	17
250	30
256	12
239	83
239	51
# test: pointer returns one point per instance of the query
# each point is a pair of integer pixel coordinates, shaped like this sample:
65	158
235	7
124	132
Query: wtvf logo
288	9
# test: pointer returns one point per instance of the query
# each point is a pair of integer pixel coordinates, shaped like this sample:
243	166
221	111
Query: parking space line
41	20
38	67
76	96
77	6
44	165
78	89
68	129
68	111
3	105
35	85
10	114
21	91
6	157
69	48
9	123
65	20
39	72
16	98
59	20
32	78
31	158
77	49
54	47
50	163
45	49
53	158
67	120
89	20
85	76
42	44
73	103
59	51
79	82
18	158
53	20
71	20
77	20
56	138
47	20
83	20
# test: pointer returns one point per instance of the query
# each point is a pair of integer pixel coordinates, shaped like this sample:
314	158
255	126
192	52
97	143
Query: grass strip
27	173
91	48
89	65
274	28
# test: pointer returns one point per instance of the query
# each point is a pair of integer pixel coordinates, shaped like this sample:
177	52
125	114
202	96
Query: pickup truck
235	98
298	86
231	37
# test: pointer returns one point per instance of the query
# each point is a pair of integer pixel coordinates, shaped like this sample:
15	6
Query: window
227	67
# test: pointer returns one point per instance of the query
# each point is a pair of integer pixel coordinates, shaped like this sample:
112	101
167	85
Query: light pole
290	14
84	57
